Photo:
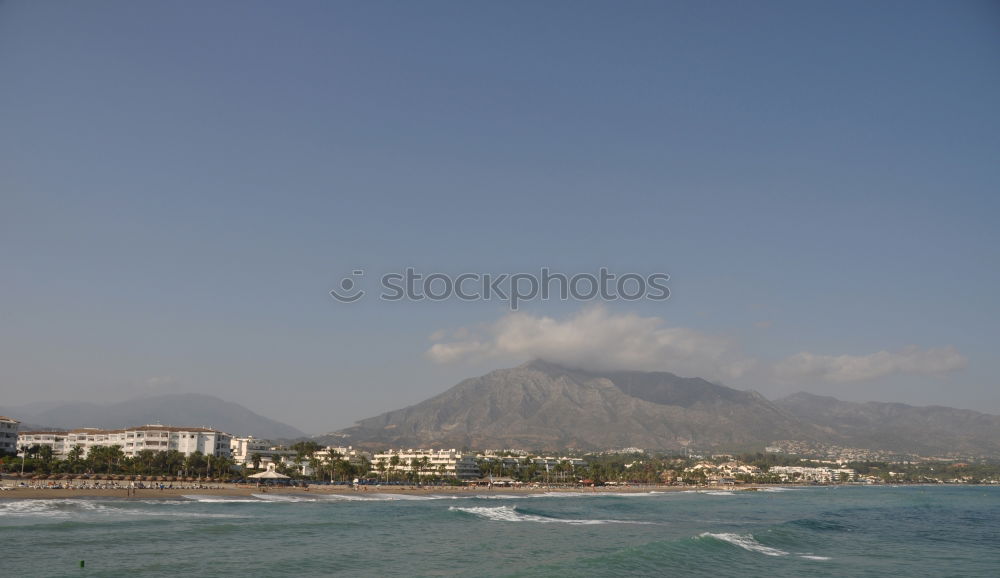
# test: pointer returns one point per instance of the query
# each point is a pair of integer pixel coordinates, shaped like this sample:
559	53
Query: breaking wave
510	514
745	541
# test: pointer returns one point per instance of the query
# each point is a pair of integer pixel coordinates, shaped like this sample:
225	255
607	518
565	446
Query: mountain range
182	409
546	406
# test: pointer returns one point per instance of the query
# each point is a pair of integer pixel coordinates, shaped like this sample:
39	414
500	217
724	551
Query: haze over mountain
182	409
545	406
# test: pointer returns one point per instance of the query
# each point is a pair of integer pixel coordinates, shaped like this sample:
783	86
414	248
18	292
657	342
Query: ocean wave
567	495
46	508
75	508
510	514
282	498
385	497
600	494
745	541
209	499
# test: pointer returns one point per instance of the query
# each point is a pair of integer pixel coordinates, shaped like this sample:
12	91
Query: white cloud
161	382
597	339
849	368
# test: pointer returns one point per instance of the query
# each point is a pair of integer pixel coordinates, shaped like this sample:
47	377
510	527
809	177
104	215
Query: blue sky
182	183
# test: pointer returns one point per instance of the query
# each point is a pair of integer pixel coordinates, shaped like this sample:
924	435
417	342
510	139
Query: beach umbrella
269	475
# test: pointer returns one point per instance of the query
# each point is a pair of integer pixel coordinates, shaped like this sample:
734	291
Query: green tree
74	458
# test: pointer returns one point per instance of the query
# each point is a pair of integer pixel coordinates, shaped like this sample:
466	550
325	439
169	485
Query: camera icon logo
348	292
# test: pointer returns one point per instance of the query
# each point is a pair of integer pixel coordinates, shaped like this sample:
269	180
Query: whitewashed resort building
8	434
186	440
426	463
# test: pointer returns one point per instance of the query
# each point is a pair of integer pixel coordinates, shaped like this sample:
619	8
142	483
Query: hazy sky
182	183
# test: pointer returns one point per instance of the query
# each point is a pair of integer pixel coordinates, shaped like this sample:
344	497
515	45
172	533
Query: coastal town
166	455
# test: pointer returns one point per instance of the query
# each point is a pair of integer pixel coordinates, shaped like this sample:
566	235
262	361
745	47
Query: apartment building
186	440
451	463
8	434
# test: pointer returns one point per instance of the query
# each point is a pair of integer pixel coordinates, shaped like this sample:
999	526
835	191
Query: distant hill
542	405
545	406
182	409
932	430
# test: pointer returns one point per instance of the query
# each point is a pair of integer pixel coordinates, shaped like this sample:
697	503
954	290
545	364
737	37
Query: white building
243	449
807	474
186	440
54	439
8	434
449	463
344	453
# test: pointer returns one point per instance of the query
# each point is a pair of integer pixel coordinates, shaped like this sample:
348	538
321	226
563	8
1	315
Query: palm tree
256	459
394	462
45	454
74	457
332	459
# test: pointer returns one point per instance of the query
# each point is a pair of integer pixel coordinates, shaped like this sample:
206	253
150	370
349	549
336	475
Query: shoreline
243	491
230	490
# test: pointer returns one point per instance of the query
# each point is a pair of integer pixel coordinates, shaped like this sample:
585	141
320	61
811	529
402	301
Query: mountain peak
547	406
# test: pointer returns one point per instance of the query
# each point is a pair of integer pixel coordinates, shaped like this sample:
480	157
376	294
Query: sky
183	184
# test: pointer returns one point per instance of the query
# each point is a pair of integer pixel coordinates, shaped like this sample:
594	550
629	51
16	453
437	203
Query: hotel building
186	440
450	463
8	434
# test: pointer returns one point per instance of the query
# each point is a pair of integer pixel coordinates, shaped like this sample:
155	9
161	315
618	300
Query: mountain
545	406
933	430
183	409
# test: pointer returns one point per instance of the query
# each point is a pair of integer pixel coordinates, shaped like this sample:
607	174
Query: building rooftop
170	428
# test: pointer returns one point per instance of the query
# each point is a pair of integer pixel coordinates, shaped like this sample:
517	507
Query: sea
812	531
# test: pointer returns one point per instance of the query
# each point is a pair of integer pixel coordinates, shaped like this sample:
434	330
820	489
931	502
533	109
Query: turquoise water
818	531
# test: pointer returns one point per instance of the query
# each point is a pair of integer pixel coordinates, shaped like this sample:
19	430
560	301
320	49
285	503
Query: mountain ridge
547	406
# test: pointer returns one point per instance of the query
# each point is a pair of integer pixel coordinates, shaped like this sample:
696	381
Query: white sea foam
411	497
510	514
70	509
347	498
719	493
45	508
745	541
282	498
586	494
209	498
384	497
811	557
497	497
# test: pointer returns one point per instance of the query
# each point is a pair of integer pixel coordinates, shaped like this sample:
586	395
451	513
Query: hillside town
201	453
